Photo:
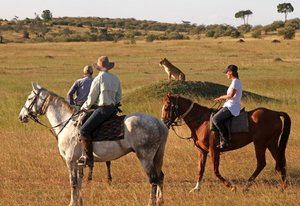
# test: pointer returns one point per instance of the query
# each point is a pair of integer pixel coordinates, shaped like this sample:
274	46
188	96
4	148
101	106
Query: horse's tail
283	140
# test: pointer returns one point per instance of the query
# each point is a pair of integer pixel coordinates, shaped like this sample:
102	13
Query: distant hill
66	29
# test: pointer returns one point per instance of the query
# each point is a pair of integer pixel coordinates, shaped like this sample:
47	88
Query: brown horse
265	128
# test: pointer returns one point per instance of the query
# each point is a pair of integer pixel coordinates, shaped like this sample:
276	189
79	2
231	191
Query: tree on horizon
244	15
285	8
47	15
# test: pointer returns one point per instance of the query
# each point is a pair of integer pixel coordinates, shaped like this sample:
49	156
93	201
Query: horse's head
33	106
170	110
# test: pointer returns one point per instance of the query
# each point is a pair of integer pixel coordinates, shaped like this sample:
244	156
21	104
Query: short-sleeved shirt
234	103
81	88
105	90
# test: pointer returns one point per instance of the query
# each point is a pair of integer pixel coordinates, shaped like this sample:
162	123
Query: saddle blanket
111	130
236	124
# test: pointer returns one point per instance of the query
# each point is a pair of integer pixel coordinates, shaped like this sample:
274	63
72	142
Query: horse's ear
35	86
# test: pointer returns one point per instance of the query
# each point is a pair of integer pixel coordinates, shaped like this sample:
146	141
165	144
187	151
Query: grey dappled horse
143	134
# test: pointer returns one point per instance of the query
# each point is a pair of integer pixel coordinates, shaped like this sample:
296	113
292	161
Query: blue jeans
100	115
219	121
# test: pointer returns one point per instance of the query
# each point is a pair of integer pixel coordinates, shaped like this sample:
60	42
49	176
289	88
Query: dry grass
32	173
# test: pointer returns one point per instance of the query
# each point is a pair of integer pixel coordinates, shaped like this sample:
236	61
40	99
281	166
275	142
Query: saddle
112	129
236	124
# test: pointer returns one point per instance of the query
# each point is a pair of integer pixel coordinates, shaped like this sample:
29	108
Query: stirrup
82	161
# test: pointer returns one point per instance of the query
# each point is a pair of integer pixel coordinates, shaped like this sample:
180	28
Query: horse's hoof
160	203
233	188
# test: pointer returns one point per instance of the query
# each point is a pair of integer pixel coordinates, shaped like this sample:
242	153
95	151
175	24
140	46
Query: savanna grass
32	173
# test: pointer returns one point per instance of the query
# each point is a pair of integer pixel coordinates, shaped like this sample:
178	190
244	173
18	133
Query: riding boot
224	137
88	159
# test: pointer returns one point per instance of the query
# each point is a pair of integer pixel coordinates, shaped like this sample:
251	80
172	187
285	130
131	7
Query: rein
180	137
178	116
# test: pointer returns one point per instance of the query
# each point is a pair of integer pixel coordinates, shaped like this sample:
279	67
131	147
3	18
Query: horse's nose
23	118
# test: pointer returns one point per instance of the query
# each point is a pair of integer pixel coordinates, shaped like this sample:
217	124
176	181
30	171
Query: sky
170	11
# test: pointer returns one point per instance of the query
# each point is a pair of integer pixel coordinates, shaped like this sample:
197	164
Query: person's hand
218	99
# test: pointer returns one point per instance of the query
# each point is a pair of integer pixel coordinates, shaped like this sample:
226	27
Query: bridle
175	118
42	110
34	115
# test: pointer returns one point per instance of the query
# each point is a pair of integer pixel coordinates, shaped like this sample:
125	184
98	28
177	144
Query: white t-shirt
234	104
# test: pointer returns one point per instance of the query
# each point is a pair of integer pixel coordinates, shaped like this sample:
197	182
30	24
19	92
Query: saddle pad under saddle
239	123
236	124
111	130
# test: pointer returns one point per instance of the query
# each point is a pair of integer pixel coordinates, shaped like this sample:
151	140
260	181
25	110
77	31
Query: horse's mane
195	103
60	100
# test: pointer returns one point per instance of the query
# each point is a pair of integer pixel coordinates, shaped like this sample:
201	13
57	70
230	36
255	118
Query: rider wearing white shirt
105	94
231	107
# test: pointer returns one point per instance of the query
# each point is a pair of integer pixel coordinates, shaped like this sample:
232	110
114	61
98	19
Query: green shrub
25	34
235	34
150	38
210	33
287	32
256	34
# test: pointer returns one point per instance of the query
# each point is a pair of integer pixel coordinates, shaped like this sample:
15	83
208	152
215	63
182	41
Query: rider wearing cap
231	106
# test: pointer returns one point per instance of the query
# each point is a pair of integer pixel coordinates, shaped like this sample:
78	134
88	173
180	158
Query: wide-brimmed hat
103	64
88	70
232	68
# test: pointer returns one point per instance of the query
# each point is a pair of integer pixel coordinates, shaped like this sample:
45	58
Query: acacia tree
47	15
285	8
243	14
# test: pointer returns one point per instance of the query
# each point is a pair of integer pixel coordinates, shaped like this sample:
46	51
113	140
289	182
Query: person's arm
71	92
93	95
119	94
231	93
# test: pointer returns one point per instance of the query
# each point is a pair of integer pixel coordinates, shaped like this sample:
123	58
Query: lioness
171	70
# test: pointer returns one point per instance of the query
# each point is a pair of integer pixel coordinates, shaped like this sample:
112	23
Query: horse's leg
79	183
90	174
260	152
74	183
202	157
108	173
159	191
147	162
215	156
153	190
273	148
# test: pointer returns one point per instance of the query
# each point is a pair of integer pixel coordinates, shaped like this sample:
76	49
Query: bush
295	23
245	28
256	33
236	34
287	32
151	38
210	33
25	34
274	26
